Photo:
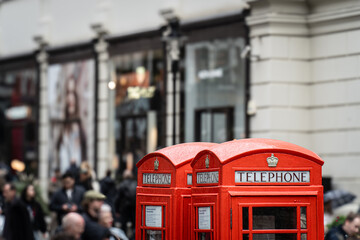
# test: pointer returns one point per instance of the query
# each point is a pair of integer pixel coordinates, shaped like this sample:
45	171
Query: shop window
139	105
18	107
215	79
71	111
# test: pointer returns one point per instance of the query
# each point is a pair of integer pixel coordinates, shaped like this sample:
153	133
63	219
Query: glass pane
153	235
219	127
245	218
303	236
204	236
205	127
274	218
303	218
245	236
273	236
215	77
138	105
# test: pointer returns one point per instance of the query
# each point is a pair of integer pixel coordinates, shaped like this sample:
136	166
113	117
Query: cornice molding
304	25
333	15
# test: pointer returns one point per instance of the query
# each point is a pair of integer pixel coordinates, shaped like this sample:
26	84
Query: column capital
278	17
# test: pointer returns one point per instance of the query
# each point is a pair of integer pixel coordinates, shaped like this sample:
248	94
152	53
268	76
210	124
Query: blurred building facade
108	81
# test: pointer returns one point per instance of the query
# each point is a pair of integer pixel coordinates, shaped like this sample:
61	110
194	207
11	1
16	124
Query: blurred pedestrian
17	220
106	220
35	211
62	236
349	228
125	203
87	178
91	205
108	188
55	183
72	225
68	199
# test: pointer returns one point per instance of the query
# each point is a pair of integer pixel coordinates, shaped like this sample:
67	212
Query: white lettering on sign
204	218
207	177
157	178
272	176
153	216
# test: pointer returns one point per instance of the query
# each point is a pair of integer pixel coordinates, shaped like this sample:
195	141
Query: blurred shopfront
19	112
112	116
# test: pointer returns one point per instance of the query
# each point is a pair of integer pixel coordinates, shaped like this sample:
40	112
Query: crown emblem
156	164
207	161
272	161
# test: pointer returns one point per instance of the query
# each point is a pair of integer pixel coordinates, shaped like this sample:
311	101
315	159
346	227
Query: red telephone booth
163	196
254	189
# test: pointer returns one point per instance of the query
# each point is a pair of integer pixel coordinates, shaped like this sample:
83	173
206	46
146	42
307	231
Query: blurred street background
92	86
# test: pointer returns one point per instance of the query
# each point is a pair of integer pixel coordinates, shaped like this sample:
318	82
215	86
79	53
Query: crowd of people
80	208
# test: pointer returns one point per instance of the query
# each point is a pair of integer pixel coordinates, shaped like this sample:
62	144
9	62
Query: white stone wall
305	69
335	108
280	71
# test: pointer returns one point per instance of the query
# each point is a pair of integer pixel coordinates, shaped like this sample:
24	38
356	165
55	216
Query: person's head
352	224
73	224
68	180
9	192
85	171
108	173
57	173
28	193
92	202
105	216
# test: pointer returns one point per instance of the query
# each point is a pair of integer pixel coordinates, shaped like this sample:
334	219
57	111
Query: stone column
43	149
105	150
280	70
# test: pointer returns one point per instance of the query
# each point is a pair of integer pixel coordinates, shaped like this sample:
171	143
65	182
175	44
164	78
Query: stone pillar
105	150
280	70
43	149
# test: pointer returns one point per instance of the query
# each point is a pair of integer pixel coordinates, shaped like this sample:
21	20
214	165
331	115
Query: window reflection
303	217
277	236
153	235
274	218
215	78
139	105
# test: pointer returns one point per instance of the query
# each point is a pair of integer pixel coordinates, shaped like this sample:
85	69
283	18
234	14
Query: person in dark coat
108	188
349	228
125	202
35	211
68	199
17	220
91	205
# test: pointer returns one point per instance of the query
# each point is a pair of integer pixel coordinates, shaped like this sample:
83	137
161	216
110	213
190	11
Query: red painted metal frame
251	155
174	160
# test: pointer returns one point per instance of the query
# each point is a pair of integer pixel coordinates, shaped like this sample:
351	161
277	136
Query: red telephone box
163	196
254	189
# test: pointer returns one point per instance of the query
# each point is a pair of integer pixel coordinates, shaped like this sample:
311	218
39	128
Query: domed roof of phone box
179	154
231	150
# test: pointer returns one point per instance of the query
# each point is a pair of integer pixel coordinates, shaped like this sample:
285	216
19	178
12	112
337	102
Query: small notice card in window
153	216
204	218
